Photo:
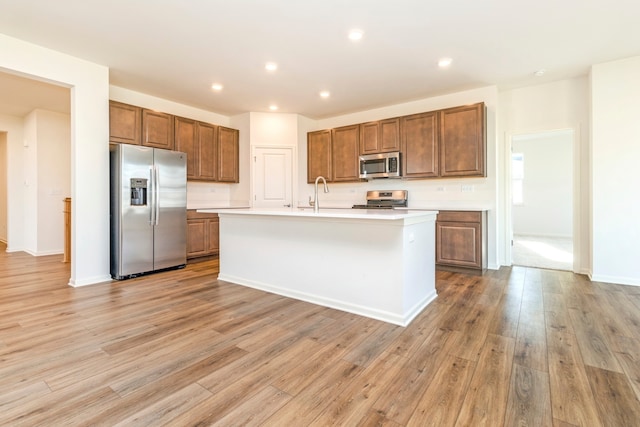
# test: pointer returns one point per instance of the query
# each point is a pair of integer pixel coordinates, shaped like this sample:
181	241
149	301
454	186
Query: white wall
3	186
89	85
547	208
240	192
54	179
552	106
46	180
435	194
140	99
30	184
615	150
274	129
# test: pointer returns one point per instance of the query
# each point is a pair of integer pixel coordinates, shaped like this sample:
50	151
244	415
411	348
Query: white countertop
447	208
419	206
370	214
218	205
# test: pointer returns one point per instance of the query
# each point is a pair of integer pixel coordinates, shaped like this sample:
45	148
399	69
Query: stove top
371	207
385	199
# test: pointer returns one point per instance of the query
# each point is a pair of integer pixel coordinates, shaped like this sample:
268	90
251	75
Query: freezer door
131	210
170	234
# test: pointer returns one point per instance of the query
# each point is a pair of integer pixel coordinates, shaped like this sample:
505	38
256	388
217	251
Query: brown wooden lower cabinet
202	235
461	239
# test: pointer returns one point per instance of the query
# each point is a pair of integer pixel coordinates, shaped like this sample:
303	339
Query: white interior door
273	177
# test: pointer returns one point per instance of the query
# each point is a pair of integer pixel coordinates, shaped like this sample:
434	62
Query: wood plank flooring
518	346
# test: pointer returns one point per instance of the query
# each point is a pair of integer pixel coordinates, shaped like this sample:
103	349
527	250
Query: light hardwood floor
518	346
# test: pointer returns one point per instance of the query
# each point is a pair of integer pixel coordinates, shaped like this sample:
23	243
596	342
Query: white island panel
380	265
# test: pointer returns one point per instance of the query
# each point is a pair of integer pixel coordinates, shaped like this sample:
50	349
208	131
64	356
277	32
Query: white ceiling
175	49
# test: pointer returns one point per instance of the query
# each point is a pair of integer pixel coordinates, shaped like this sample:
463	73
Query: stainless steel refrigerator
148	210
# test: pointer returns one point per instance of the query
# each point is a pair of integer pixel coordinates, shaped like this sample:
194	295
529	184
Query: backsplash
202	195
422	193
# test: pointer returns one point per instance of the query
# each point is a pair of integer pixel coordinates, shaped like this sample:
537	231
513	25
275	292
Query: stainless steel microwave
383	165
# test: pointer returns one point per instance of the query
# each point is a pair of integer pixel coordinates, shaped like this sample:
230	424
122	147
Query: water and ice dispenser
139	191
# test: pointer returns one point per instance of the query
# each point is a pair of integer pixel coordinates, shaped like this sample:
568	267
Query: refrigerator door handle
152	198
157	195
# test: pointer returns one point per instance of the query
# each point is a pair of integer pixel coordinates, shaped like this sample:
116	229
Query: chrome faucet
316	206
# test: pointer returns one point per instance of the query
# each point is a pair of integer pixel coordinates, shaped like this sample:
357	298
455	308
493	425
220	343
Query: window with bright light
517	178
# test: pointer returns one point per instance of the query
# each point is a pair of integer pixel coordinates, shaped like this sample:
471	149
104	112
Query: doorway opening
3	189
542	199
35	162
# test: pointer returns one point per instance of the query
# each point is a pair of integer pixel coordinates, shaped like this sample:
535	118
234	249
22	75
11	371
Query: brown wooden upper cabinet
345	146
157	129
463	141
208	158
198	140
186	141
228	155
125	123
420	145
318	155
380	137
212	151
435	144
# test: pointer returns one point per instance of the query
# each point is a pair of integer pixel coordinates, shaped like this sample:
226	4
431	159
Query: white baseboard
89	281
45	253
385	316
551	236
616	280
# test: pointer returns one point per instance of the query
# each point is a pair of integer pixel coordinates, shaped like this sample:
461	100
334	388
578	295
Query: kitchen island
375	263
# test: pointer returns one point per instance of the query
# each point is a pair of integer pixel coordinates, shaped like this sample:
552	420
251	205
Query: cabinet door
369	134
196	238
345	145
213	241
389	135
185	141
459	244
208	160
380	137
462	141
420	145
318	155
125	123
157	129
228	155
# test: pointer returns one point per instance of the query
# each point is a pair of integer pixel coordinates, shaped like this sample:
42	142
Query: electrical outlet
440	188
466	188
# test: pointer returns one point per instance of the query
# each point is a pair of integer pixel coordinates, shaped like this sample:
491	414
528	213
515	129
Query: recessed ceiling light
444	62
355	34
217	86
325	94
540	72
273	107
271	66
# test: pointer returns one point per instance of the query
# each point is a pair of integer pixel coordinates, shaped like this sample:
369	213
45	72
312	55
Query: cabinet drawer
459	216
193	214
